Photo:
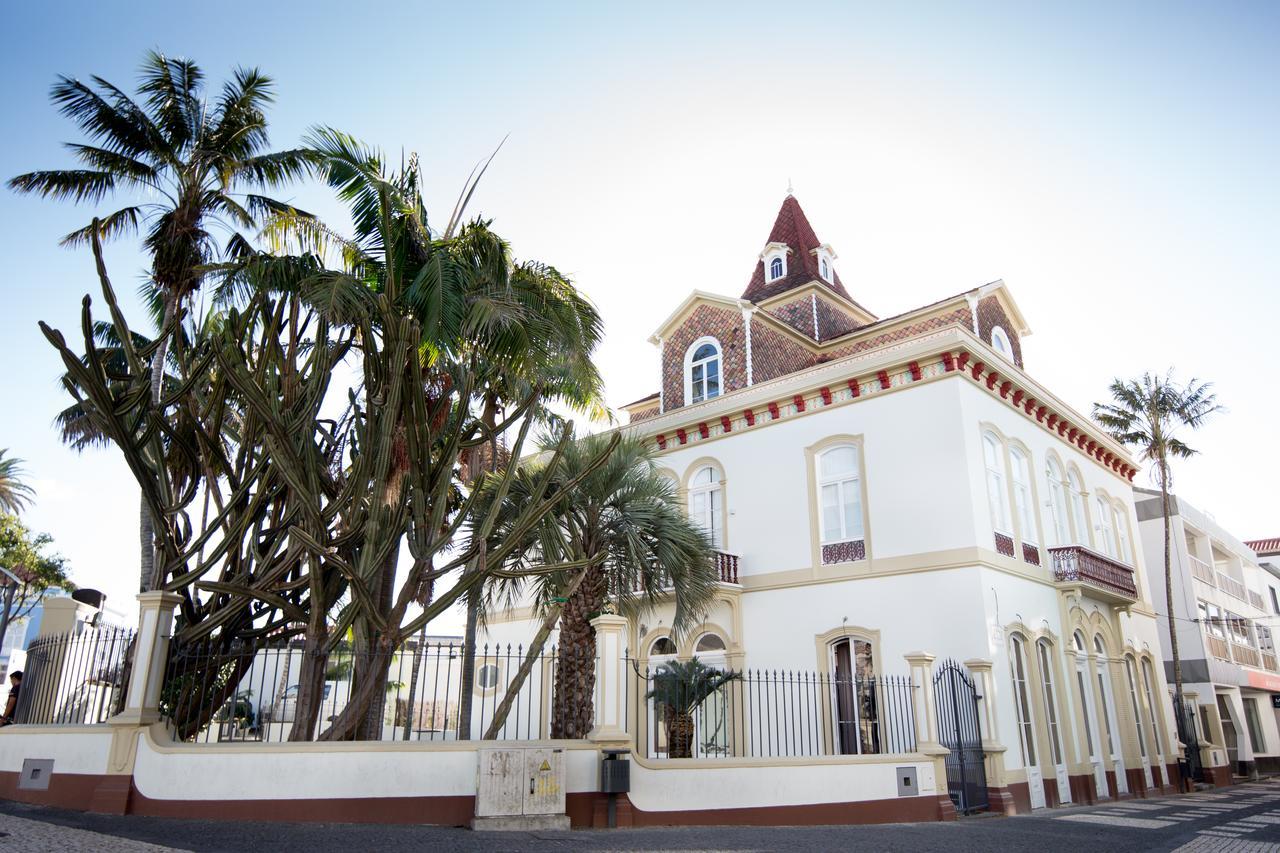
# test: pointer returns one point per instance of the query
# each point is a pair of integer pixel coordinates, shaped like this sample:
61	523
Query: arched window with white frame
1061	528
1122	533
840	504
997	494
1000	342
702	370
776	268
706	503
1106	531
1079	519
1024	505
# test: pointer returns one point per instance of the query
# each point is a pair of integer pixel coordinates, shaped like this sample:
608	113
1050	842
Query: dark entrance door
1185	714
956	700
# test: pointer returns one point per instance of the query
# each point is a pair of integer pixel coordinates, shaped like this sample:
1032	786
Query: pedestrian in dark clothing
11	706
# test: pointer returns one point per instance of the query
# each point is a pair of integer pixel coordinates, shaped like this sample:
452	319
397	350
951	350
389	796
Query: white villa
889	493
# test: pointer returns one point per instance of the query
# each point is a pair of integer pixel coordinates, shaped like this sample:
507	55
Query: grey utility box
907	785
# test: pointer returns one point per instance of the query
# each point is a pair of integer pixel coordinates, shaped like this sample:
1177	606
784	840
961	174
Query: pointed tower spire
793	240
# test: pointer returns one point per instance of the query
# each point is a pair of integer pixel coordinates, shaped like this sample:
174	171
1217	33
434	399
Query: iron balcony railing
1077	564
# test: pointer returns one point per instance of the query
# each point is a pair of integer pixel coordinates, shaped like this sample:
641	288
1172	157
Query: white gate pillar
925	710
150	654
610	700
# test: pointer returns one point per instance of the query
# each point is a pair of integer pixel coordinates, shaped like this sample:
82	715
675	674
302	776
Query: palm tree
185	160
1146	414
15	493
679	688
625	518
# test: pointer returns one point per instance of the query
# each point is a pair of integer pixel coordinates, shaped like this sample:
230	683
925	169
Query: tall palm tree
15	492
626	516
1146	414
185	160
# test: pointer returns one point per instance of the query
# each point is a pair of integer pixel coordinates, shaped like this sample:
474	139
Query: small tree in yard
1145	414
24	554
679	689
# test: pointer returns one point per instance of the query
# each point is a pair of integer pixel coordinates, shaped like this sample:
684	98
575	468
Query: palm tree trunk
468	680
1168	585
535	651
574	710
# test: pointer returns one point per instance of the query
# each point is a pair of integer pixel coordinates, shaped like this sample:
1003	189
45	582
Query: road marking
1117	820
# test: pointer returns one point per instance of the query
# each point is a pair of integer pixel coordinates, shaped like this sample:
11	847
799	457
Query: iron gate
956	700
1185	714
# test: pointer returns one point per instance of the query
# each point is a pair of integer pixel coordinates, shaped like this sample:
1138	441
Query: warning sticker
546	766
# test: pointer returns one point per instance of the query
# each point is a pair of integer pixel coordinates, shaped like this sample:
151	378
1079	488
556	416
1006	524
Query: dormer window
825	269
702	370
826	263
774	258
1000	342
775	269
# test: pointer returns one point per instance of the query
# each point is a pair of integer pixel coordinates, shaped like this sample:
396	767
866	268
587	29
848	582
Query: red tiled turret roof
792	227
1265	547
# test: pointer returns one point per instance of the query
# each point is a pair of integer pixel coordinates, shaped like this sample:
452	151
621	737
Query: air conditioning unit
520	789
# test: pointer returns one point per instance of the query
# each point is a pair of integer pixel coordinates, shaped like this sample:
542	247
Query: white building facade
891	493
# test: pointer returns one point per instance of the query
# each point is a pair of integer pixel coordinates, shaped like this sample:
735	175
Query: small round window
487	676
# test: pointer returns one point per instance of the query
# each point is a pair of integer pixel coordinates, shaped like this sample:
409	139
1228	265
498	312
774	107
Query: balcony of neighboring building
1232	638
1101	576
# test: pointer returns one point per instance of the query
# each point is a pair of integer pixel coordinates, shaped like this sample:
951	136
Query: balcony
1245	656
1202	571
727	564
1231	586
1256	600
1098	575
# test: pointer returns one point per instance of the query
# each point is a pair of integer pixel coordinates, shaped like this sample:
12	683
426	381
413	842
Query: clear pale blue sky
1116	166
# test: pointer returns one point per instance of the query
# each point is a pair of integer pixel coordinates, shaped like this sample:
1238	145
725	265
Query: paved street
1245	818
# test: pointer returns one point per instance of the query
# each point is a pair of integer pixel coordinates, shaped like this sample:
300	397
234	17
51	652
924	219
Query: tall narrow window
1137	708
1022	496
775	269
706	504
1106	542
703	372
1104	696
840	500
1083	687
1058	503
826	273
1000	342
1050	701
857	720
1148	680
1078	520
1022	702
1122	534
997	496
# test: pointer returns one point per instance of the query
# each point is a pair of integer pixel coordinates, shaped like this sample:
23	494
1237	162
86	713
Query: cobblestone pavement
1241	819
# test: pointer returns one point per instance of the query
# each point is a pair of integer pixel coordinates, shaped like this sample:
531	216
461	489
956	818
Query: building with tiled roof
1265	547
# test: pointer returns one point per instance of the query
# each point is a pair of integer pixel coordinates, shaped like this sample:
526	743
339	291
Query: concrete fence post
610	701
926	713
150	654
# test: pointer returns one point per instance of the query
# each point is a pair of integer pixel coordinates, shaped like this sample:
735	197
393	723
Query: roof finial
790	189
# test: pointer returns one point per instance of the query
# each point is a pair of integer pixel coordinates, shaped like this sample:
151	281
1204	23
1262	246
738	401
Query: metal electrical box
516	782
908	786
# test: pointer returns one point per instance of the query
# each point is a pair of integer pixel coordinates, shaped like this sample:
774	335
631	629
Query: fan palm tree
679	688
186	161
1146	414
15	493
626	516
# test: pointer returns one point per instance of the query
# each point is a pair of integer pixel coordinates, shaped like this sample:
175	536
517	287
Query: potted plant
679	689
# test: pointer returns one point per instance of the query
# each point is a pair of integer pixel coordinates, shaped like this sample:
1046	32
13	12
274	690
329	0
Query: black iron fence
769	713
76	678
211	694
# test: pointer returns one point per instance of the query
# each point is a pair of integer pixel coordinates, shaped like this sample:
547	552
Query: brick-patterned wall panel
991	314
725	325
832	322
798	314
645	414
959	316
773	354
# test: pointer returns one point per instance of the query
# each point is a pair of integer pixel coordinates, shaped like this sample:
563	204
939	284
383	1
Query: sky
1114	164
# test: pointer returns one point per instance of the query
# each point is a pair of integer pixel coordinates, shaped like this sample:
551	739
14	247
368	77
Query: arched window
997	496
1122	533
1078	520
825	270
702	373
1137	707
1078	640
1106	532
1061	529
1023	503
1050	700
706	503
1000	342
840	495
1148	679
1022	701
662	647
775	268
709	643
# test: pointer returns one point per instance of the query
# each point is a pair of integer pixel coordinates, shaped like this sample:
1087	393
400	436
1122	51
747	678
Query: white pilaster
610	712
150	654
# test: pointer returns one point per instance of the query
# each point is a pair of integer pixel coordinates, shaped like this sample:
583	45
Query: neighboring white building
880	487
1225	605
